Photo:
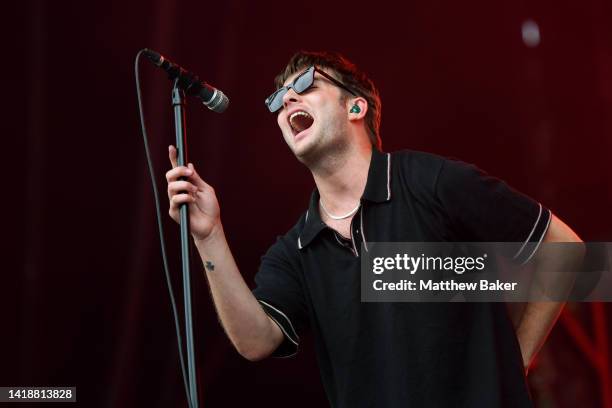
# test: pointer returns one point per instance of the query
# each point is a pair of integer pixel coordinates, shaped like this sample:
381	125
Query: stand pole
178	100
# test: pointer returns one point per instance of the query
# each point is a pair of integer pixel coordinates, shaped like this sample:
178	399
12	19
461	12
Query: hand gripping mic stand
178	101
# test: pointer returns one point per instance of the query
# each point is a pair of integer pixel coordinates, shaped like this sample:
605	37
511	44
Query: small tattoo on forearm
209	265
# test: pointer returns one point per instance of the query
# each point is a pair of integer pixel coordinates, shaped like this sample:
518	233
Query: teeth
298	113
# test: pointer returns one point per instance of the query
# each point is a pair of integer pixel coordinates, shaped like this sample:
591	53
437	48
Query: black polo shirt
403	354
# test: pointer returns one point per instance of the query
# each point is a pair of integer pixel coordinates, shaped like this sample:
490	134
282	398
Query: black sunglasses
301	83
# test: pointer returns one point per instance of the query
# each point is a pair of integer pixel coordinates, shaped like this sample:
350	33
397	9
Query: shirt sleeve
486	209
279	290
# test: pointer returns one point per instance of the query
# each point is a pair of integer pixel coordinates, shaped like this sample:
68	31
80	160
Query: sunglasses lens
304	81
275	101
299	85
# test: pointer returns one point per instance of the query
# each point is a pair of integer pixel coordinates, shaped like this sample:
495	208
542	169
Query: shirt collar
378	186
377	190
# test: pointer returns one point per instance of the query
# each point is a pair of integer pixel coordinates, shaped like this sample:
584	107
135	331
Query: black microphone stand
178	101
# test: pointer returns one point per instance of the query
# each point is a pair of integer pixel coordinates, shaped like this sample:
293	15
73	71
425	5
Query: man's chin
306	152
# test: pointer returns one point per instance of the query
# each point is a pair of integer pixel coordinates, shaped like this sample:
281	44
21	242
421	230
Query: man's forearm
538	318
249	328
537	321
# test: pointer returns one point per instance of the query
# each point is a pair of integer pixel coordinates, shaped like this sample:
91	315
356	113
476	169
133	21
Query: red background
86	302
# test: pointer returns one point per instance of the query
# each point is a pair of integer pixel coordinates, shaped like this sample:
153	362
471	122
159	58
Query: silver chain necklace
339	217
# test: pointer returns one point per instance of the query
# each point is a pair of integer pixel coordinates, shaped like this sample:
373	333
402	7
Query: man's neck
341	178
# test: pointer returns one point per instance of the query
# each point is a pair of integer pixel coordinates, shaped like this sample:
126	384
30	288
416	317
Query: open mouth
300	121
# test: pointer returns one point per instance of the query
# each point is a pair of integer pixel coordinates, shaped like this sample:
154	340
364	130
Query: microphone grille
218	103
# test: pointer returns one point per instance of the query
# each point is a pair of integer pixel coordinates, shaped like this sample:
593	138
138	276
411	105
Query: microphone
213	99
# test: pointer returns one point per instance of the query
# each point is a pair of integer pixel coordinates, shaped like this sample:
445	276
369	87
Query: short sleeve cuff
289	346
535	237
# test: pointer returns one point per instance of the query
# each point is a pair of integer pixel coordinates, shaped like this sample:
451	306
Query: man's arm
249	328
538	318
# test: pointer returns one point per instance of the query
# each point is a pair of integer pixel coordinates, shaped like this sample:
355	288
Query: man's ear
357	108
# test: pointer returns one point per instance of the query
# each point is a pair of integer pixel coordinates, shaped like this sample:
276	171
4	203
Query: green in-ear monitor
355	109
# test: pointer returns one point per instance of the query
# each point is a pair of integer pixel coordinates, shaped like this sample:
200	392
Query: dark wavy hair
346	72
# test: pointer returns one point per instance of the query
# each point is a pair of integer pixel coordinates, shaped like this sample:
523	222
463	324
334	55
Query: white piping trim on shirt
287	356
288	321
530	234
286	335
280	326
365	245
336	234
353	241
540	241
388	176
299	240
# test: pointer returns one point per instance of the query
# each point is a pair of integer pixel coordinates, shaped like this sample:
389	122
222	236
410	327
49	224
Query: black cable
160	226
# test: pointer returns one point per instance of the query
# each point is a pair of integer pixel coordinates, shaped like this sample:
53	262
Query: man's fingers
179	199
172	155
177	172
196	179
175	204
180	186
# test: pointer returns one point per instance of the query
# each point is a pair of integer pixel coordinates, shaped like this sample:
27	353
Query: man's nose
290	97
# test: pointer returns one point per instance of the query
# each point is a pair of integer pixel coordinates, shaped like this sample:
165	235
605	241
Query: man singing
373	354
